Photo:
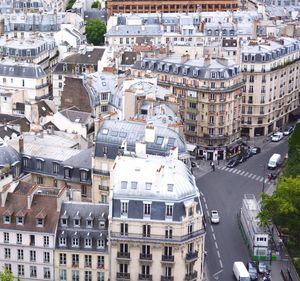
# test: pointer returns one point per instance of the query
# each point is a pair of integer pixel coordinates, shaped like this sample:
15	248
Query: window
7	253
21	270
190	228
124	208
75	242
168	271
63	275
83	175
87	260
100	262
20	254
63	259
46	240
100	244
39	165
33	271
46	257
89	222
47	274
88	276
64	221
6	219
146	230
62	241
19	238
133	185
75	260
25	162
39	222
170	187
75	275
159	140
55	168
100	276
32	256
88	243
20	220
8	266
147	209
67	173
168	232
123	184
40	180
148	185
124	229
76	222
169	210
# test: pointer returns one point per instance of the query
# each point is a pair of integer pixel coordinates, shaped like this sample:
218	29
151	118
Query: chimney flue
21	144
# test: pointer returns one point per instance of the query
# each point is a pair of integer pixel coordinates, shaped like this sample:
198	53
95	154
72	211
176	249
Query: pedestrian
212	165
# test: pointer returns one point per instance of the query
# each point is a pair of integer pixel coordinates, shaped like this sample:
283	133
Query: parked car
252	269
277	137
255	150
247	153
232	163
262	267
214	216
288	130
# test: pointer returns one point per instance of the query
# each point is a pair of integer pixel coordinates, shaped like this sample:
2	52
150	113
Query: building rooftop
9	68
152	177
75	115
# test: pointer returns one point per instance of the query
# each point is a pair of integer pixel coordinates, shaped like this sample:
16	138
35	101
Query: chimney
21	144
185	58
149	133
207	60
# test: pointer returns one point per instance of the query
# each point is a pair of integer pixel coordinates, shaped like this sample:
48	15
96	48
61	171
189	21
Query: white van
240	271
274	161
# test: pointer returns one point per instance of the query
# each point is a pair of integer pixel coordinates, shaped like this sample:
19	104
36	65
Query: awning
191	147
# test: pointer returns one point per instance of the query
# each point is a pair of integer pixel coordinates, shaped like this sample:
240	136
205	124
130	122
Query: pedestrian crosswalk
244	174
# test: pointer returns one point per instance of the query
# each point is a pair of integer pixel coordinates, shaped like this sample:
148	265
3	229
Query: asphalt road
223	190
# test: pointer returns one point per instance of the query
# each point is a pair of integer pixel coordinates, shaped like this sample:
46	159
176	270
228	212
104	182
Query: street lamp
264	177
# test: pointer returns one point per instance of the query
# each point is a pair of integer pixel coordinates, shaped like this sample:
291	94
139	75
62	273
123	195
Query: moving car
288	131
214	216
232	163
277	137
240	271
252	271
262	267
255	150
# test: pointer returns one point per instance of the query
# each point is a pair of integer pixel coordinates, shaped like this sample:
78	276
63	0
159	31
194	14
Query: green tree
283	207
95	30
70	4
6	275
96	5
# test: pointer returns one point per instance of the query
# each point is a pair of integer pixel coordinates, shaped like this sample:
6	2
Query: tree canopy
6	275
95	30
70	4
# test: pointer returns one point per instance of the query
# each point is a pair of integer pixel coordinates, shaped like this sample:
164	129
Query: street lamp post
264	177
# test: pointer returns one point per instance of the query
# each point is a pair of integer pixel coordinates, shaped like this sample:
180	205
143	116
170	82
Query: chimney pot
21	144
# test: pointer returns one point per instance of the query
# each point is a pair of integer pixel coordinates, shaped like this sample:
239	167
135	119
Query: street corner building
156	226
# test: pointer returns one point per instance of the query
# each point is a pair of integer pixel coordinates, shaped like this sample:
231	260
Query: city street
223	190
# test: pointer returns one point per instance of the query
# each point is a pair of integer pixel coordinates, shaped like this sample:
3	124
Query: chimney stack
21	144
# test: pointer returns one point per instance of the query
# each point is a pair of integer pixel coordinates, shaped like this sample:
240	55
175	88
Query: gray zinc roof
12	69
8	155
82	160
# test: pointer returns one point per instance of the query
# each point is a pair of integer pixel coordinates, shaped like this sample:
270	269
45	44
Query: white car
288	131
277	137
214	216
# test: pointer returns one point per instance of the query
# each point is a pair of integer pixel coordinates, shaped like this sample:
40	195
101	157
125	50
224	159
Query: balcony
192	99
147	277
101	172
191	121
123	255
103	187
191	256
123	276
75	264
166	278
147	257
191	276
167	258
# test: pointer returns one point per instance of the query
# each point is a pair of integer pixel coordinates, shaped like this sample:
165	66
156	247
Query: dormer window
40	164
62	241
67	172
20	220
6	219
64	221
83	175
102	224
89	220
88	243
76	222
75	242
26	162
39	222
100	243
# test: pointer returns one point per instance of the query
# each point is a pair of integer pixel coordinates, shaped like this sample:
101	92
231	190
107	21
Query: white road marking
204	200
212	229
266	180
216	244
214	236
253	177
257	177
218	253
250	175
261	179
243	172
226	169
246	174
238	172
223	168
221	264
207	212
217	273
234	171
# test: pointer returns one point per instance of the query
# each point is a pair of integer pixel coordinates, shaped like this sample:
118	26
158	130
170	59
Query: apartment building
209	93
117	137
28	223
117	6
81	242
156	229
271	91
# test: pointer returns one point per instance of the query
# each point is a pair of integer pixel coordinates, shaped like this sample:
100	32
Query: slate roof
129	58
6	131
76	116
12	69
95	212
8	155
44	109
112	133
81	160
23	122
